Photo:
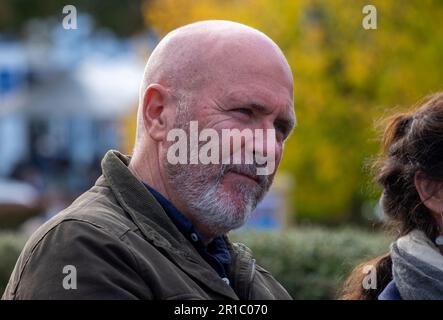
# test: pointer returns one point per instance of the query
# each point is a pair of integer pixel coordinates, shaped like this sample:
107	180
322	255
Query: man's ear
430	192
155	113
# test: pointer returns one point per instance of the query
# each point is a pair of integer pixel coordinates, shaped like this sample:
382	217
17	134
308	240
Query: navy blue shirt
390	292
216	253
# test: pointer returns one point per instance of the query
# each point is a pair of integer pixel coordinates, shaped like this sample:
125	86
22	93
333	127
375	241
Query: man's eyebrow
285	123
260	108
238	103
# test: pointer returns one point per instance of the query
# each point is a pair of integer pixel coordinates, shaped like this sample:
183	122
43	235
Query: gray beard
199	186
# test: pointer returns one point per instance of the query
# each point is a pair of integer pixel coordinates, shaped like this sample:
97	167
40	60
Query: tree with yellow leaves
346	77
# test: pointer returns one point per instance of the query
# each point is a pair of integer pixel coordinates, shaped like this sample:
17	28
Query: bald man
153	227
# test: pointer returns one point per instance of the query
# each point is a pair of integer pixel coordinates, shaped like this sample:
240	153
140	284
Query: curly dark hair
412	142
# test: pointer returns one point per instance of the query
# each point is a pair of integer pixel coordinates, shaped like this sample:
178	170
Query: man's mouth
245	175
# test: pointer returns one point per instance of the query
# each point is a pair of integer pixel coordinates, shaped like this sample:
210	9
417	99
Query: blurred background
69	95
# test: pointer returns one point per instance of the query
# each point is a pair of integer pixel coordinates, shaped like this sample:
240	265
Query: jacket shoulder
98	207
101	261
89	233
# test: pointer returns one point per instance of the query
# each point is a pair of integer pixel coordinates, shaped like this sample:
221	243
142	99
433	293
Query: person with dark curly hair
410	171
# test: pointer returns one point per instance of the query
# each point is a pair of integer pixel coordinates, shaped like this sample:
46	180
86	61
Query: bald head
192	56
197	55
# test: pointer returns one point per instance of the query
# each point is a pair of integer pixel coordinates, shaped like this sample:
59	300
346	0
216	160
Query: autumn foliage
346	78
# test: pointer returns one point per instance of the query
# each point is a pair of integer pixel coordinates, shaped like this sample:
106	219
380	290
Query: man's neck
155	181
141	168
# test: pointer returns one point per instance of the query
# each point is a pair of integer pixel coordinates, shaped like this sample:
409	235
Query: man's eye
245	111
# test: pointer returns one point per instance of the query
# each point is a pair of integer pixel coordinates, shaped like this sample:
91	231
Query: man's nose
266	144
270	140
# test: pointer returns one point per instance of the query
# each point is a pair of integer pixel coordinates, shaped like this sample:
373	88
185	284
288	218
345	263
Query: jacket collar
156	226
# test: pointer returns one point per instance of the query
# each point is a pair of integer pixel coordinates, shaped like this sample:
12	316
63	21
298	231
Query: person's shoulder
84	235
65	245
93	214
97	207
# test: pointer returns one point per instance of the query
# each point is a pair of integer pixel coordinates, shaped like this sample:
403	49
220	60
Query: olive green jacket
116	242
